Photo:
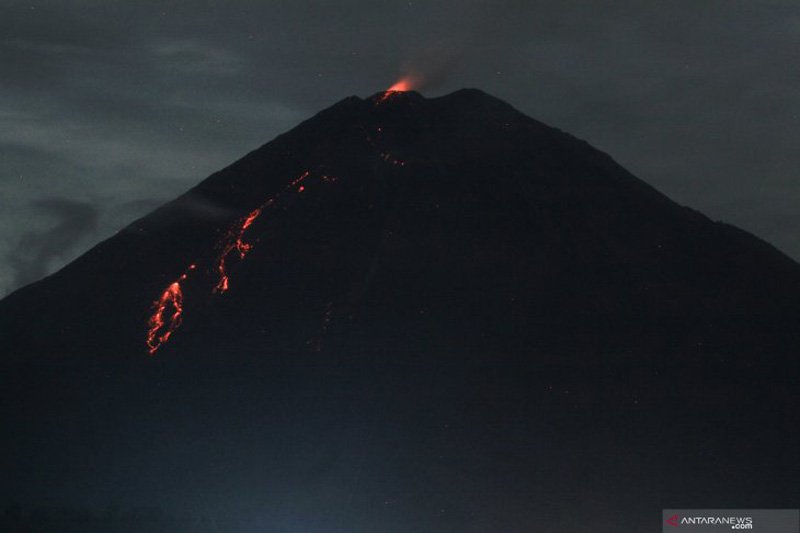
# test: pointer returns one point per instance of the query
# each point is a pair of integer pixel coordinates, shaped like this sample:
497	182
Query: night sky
108	109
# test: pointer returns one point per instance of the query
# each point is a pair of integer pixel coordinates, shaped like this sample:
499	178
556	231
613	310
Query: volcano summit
411	314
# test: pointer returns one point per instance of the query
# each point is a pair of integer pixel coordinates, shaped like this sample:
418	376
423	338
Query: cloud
37	252
196	58
118	101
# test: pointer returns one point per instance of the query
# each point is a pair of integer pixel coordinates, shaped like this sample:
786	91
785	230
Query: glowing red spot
401	86
234	240
234	237
298	179
248	221
159	327
167	309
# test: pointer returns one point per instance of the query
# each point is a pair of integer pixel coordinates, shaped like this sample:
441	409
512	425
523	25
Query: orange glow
250	218
234	240
402	85
168	308
298	180
159	331
234	237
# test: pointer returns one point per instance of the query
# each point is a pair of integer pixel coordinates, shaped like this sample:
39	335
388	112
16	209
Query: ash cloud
37	251
203	207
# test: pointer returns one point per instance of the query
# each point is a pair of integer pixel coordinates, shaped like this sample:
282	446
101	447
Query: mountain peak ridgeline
379	209
409	314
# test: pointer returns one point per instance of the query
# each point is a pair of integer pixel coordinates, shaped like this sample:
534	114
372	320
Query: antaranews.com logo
736	522
718	520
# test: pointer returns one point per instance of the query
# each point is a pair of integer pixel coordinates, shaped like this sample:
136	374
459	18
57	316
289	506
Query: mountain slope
439	303
581	235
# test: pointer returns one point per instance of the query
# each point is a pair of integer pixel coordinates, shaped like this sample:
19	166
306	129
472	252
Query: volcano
409	314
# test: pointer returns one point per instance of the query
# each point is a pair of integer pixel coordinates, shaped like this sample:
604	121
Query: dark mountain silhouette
411	314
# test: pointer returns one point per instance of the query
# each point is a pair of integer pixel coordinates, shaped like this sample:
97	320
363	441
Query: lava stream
159	331
235	241
234	237
401	86
168	309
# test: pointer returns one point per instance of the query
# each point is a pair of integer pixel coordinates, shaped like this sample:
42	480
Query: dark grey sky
109	108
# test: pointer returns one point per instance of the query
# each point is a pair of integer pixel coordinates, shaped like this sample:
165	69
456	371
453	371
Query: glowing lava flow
234	237
168	309
235	241
159	331
403	85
